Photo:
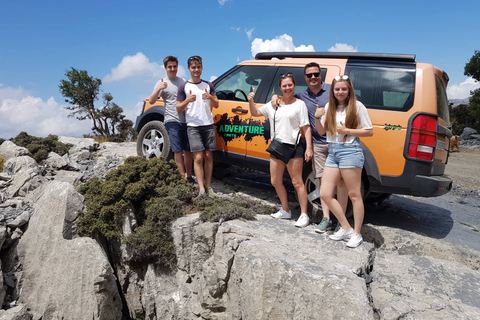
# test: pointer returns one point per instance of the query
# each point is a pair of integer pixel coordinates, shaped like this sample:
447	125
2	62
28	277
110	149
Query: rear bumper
431	186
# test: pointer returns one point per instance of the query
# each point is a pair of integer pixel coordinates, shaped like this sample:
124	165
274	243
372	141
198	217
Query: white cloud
20	111
342	47
212	78
236	29
462	90
222	2
132	66
249	33
280	43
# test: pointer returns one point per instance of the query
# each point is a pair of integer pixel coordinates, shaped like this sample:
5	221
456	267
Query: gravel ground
464	168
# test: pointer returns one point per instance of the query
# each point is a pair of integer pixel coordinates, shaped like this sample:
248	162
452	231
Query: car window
300	83
383	88
238	84
442	101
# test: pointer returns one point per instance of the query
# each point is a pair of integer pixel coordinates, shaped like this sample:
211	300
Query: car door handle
239	110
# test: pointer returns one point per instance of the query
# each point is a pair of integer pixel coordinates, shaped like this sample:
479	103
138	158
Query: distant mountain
457	102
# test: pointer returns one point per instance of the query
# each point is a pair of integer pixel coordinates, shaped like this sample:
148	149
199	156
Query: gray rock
419	287
20	220
10	150
467	132
69	279
72	177
14	165
57	162
80	144
16	313
475	136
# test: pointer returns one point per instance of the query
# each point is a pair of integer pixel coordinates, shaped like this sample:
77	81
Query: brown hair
194	59
351	119
169	59
285	75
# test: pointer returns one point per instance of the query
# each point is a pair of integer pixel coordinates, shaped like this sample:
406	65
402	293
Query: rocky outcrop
261	269
64	279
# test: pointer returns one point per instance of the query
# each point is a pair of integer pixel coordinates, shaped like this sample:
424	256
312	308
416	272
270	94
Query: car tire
312	186
153	141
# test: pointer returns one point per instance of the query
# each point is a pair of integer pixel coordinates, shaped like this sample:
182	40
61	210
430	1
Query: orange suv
406	101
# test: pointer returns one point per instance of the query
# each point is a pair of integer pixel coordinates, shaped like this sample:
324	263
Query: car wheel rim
153	144
312	185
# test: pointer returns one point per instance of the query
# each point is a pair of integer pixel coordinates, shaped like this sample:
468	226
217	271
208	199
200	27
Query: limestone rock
61	278
420	287
79	144
10	150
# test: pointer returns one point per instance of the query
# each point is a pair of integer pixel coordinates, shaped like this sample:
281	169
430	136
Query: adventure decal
392	127
230	128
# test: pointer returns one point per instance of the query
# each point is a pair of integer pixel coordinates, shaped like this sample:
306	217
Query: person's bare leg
208	168
198	168
277	168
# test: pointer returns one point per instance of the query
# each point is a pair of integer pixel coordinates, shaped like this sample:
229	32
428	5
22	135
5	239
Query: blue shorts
202	138
345	155
177	132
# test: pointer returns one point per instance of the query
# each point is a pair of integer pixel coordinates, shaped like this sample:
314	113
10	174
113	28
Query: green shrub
2	162
41	147
234	207
158	195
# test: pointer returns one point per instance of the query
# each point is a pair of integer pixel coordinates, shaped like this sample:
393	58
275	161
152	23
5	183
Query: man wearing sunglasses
316	96
197	97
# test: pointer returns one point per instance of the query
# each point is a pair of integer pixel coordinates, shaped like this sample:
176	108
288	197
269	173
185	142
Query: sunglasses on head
344	77
194	58
315	74
283	75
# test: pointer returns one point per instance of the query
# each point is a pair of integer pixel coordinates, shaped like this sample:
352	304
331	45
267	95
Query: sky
123	43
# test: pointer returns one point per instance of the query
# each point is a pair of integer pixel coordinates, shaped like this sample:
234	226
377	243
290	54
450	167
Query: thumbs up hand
319	112
192	97
206	95
251	95
162	85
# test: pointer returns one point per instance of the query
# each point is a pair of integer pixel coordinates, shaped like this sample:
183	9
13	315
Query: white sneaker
342	234
282	214
355	240
303	221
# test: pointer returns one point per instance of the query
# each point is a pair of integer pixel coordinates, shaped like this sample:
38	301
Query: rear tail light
423	137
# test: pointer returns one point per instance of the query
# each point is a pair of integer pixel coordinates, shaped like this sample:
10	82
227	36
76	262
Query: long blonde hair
351	119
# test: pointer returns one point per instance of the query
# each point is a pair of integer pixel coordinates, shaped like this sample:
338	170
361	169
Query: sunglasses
315	74
344	77
195	58
283	75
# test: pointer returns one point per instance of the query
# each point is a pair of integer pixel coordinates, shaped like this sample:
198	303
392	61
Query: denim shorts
345	155
177	132
202	138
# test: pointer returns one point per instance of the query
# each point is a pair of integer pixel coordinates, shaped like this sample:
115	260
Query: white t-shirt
169	96
289	118
198	112
363	119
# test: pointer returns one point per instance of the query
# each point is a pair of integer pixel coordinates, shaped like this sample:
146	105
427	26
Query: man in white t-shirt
197	97
167	89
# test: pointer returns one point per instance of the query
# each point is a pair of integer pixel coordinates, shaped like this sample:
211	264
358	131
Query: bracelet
317	118
348	131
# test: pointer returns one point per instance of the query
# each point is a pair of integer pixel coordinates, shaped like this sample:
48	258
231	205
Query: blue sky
124	42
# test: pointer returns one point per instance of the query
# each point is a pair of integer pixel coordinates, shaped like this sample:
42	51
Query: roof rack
338	55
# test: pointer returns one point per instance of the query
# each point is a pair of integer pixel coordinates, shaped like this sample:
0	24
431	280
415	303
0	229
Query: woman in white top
344	119
286	121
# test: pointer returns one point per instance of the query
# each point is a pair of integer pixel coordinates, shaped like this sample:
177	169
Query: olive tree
81	91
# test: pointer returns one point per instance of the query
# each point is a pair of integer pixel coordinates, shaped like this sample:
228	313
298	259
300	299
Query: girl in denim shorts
344	119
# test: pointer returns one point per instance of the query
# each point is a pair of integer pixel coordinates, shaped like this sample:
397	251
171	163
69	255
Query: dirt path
464	168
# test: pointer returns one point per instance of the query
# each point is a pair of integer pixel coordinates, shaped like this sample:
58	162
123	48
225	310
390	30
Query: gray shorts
202	138
320	153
